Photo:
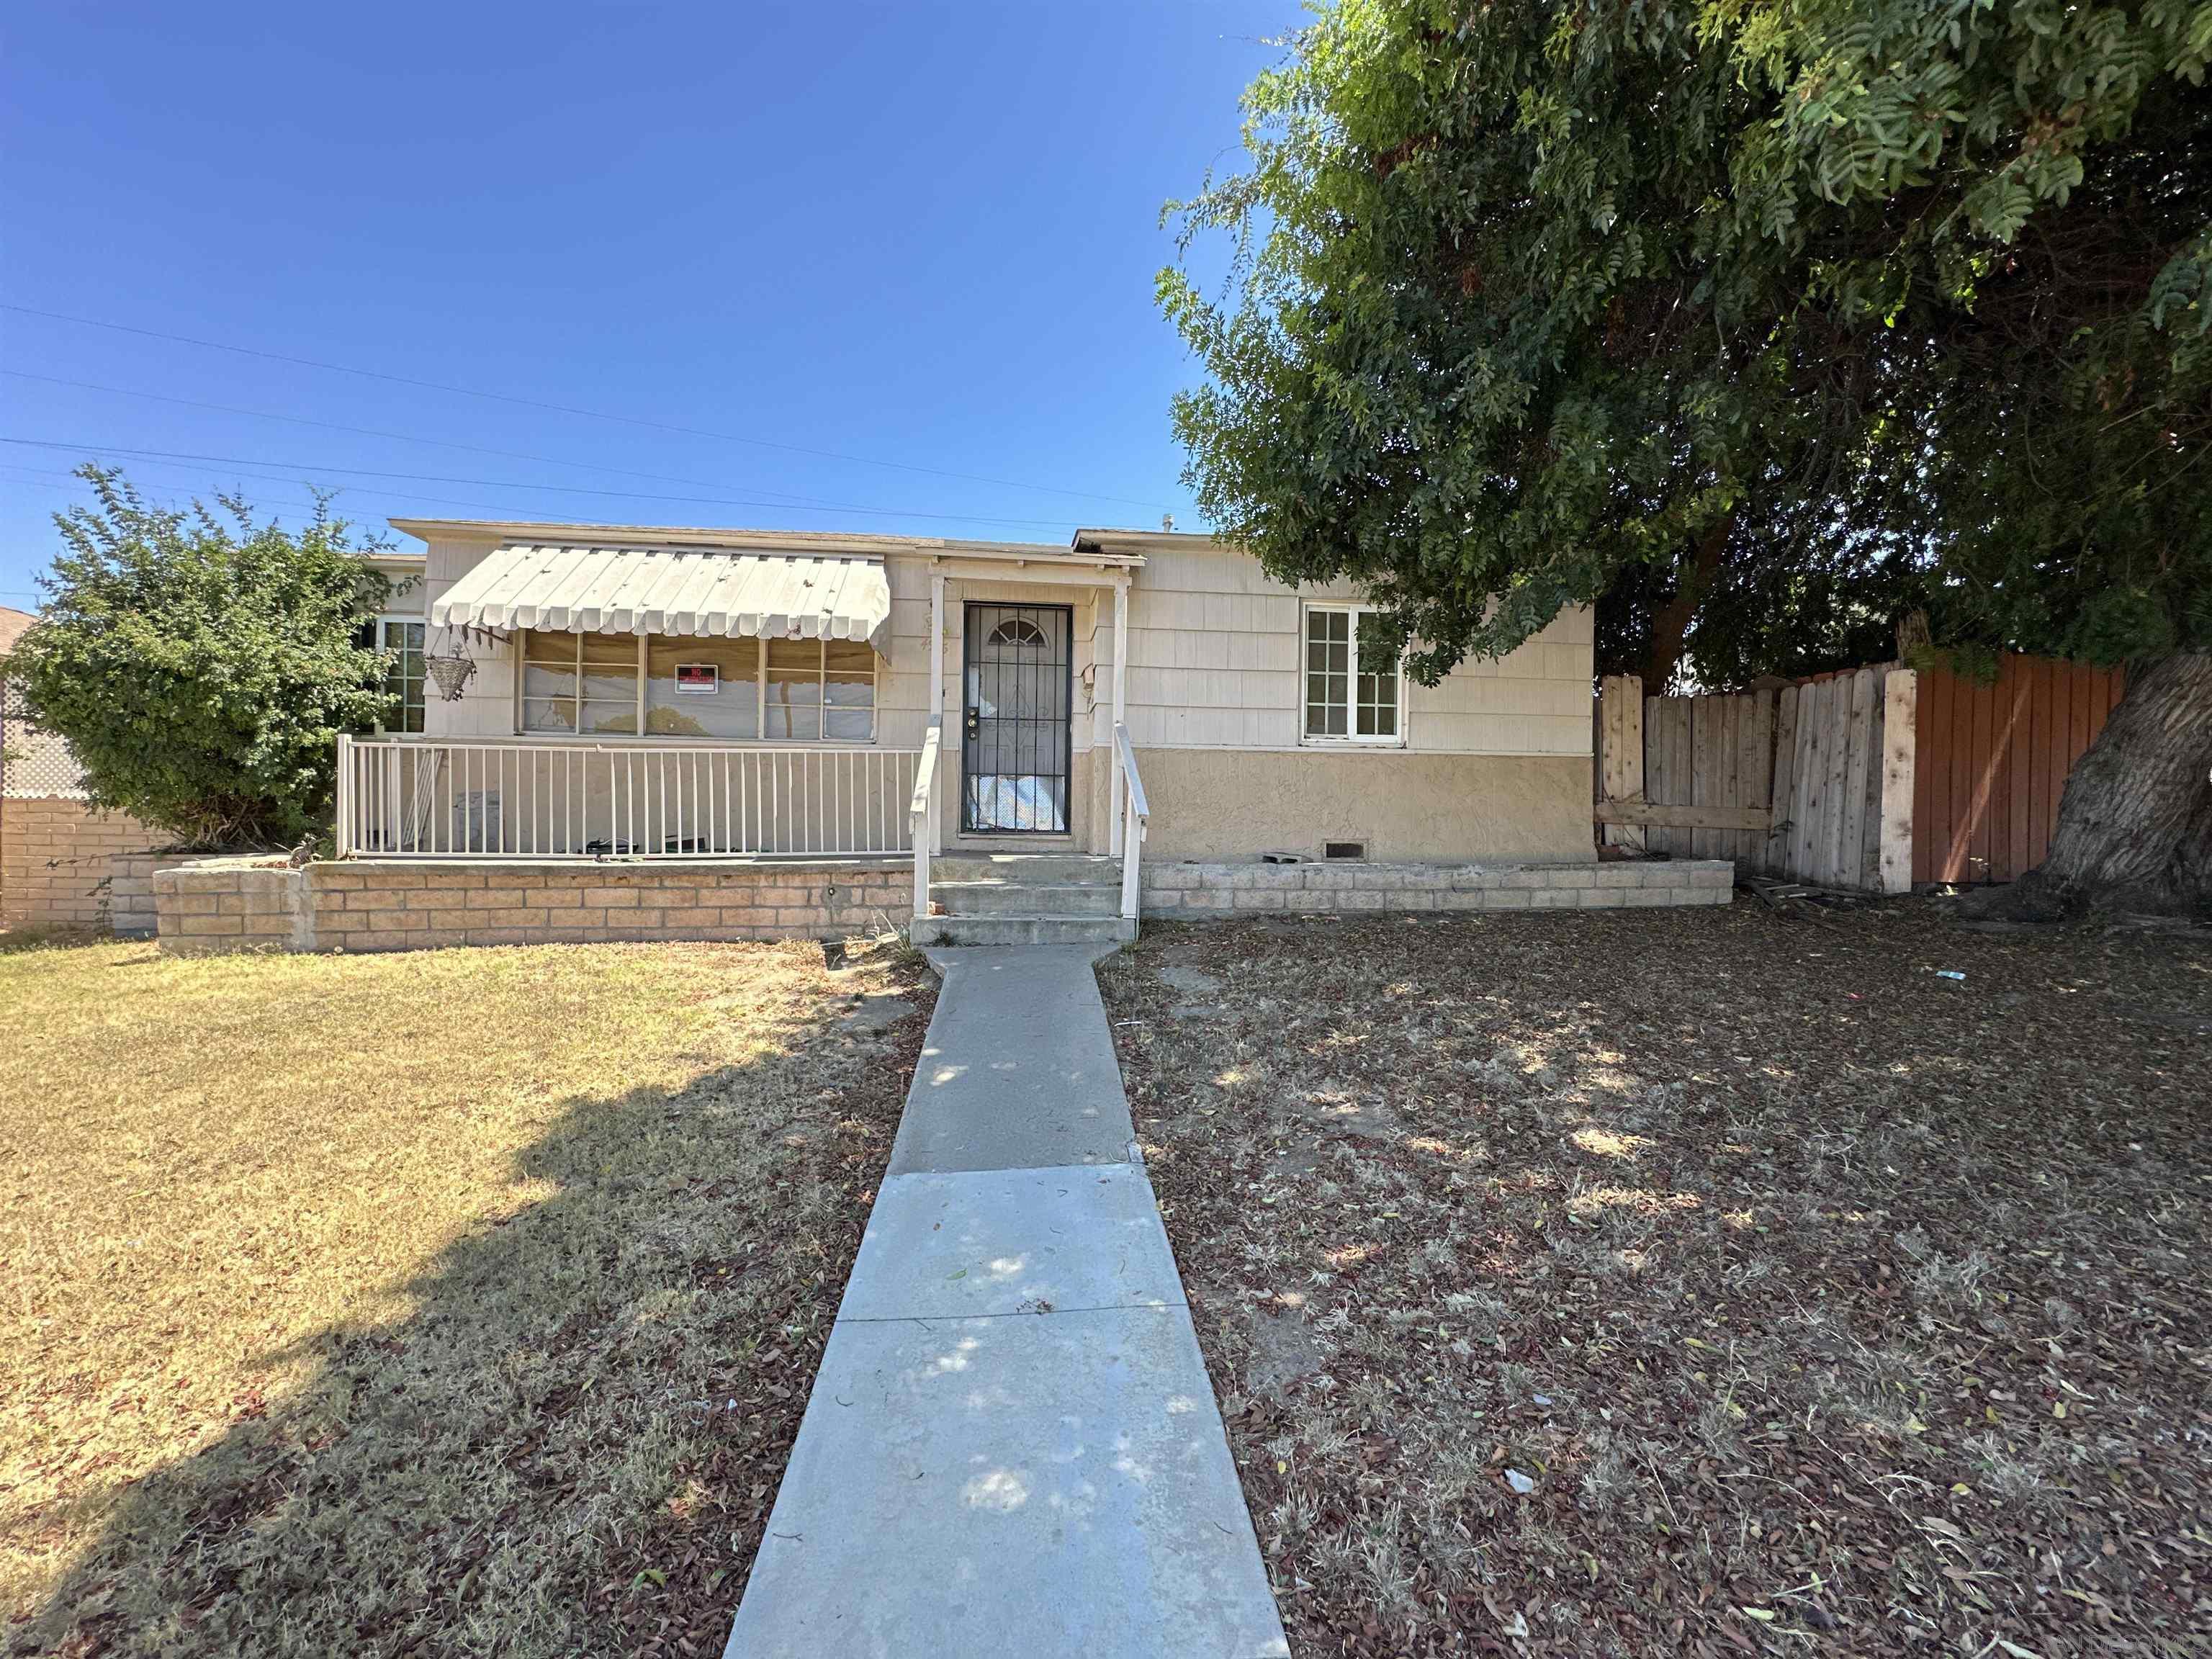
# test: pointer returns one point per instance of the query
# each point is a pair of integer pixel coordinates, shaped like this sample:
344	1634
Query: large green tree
201	665
1758	325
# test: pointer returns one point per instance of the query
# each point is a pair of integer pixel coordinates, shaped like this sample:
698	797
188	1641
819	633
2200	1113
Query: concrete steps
1010	898
1016	898
1023	930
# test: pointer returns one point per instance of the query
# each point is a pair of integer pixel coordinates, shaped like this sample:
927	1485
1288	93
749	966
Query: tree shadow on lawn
572	1442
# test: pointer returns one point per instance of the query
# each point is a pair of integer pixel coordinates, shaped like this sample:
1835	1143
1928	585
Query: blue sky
925	235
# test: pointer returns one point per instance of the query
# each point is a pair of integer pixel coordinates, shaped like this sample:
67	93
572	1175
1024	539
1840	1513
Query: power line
503	483
410	438
262	501
259	502
570	409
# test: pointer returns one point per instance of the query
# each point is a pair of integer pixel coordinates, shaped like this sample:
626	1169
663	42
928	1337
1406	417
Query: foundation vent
1344	849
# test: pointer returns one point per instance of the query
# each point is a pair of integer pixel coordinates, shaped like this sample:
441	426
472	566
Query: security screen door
1014	743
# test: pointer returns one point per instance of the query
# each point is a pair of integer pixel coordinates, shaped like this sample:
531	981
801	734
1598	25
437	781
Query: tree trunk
2192	862
1670	622
2135	825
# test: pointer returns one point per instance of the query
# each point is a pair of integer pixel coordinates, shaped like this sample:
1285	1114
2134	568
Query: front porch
625	699
702	831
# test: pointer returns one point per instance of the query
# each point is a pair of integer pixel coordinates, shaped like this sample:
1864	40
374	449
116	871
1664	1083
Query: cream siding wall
1214	663
486	706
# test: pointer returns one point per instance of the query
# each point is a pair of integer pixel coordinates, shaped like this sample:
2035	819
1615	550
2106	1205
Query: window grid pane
794	690
1328	664
403	680
730	712
1351	676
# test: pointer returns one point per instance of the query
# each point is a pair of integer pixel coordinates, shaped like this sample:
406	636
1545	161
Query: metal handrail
920	828
1137	817
1128	756
926	774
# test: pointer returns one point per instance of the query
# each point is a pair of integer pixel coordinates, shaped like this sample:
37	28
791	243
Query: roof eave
1137	543
817	542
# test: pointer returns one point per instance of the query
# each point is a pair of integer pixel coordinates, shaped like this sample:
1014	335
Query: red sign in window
702	678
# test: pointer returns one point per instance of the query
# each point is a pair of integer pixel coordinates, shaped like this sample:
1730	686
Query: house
616	732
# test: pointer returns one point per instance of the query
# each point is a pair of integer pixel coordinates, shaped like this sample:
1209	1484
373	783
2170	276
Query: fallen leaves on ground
1697	1280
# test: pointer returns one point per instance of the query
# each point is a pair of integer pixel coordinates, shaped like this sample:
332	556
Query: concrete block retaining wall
1194	892
263	903
231	904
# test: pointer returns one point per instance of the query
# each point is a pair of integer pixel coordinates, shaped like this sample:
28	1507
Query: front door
1014	744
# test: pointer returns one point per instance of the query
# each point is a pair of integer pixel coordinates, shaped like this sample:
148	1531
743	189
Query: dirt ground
463	1302
1698	1280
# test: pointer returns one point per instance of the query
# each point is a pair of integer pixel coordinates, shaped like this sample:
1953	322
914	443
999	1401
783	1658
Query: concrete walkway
1011	1446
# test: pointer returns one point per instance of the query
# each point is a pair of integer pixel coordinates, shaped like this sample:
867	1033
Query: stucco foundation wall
1195	891
58	857
1228	804
395	905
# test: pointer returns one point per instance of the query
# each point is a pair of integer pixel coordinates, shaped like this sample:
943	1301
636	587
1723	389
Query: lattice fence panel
35	764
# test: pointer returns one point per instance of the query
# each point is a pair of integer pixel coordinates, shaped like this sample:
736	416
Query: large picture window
677	703
718	690
1355	683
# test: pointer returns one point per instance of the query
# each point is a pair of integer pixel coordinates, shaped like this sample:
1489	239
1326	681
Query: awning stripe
697	593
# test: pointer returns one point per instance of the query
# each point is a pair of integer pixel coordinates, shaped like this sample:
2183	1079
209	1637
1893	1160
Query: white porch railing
409	797
1136	819
921	817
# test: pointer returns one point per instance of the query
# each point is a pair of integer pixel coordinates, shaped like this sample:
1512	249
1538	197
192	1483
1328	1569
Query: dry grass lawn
457	1302
1699	1281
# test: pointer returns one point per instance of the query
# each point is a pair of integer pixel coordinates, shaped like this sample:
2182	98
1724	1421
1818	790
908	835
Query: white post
1116	792
936	703
342	836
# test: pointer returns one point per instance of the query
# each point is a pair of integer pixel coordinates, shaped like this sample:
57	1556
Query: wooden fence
1995	760
1872	778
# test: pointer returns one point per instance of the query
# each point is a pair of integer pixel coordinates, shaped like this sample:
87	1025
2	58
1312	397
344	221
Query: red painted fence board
1993	760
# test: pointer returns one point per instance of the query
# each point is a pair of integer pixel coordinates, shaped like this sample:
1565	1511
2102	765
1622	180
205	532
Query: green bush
201	665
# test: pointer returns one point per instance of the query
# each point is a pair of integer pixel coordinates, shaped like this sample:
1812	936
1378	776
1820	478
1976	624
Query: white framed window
717	689
1355	683
403	637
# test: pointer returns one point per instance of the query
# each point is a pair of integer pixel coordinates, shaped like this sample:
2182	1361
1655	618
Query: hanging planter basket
452	665
450	673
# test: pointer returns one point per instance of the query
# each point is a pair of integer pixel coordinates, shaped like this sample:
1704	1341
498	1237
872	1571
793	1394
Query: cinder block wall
393	905
56	858
131	908
1194	892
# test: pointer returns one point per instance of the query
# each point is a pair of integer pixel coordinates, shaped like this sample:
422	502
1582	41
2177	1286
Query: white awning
699	593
